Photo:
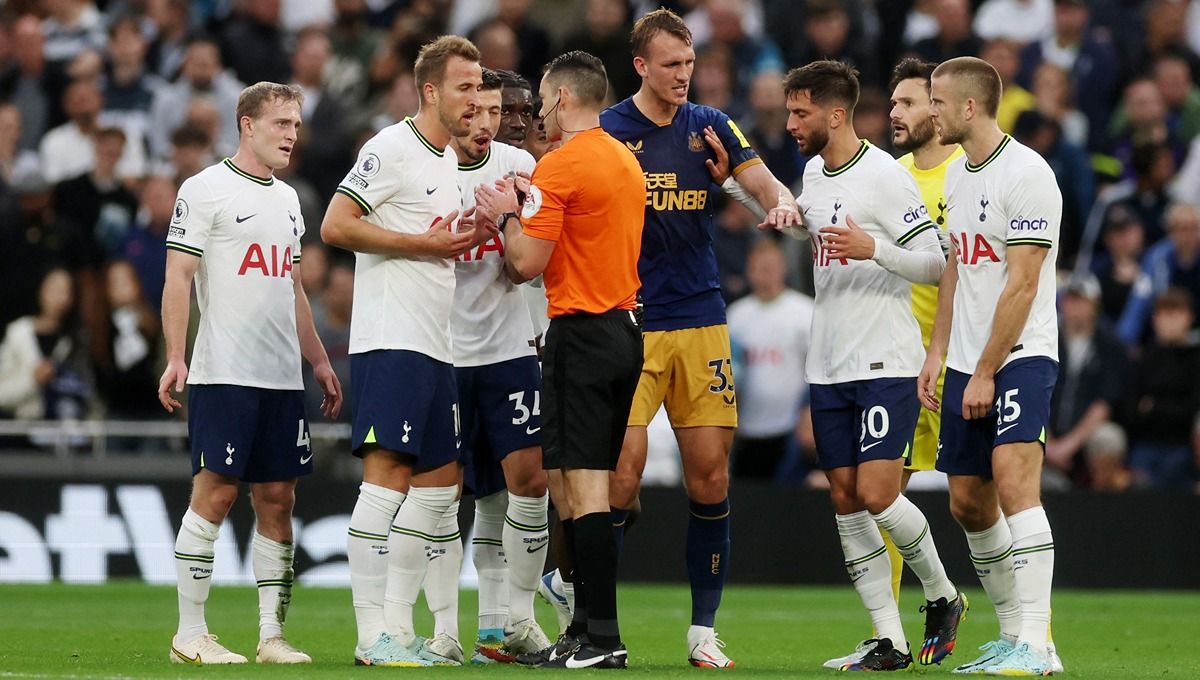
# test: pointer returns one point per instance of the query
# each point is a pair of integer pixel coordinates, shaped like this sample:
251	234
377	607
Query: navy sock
619	517
707	558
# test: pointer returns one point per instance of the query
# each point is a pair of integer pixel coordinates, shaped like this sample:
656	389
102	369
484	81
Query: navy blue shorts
405	402
501	408
1020	414
251	433
864	420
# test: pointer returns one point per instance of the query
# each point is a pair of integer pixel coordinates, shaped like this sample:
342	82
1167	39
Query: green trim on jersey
190	250
915	231
478	164
976	168
362	203
428	145
265	181
862	150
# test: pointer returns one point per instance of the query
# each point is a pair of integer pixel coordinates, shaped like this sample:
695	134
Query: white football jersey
403	183
863	325
1010	199
246	231
772	339
490	321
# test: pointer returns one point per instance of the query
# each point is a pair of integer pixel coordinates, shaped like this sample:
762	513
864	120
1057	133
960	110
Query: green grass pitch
124	629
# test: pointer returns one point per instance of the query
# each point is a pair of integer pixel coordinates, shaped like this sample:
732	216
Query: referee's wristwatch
505	217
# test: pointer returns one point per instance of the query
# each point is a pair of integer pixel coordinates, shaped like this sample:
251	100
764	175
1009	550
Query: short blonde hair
980	81
430	66
253	99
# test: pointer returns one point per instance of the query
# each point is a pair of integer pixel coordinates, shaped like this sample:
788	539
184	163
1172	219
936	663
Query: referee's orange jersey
589	197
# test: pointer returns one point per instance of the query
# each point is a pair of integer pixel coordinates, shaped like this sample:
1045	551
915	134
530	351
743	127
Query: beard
950	135
454	124
816	142
917	137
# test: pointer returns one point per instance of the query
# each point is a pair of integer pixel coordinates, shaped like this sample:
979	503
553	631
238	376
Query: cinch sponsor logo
916	214
279	264
663	193
972	248
1022	224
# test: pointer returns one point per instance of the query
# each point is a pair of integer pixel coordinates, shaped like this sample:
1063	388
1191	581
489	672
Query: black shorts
590	371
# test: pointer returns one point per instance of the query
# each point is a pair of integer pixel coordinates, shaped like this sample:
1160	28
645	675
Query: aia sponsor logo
272	261
973	248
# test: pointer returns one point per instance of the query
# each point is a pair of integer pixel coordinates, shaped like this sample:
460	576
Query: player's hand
977	398
481	230
849	242
784	216
495	201
175	376
442	241
331	405
522	181
719	168
927	383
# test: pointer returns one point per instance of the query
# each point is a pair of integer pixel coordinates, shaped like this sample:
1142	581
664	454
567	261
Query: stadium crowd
106	107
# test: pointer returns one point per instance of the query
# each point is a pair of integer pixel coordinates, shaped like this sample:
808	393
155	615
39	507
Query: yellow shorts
691	371
925	438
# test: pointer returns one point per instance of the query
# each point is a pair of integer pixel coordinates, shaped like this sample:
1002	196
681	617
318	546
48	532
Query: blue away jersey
681	287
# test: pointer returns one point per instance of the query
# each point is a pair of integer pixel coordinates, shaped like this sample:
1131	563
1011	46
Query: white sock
193	572
566	587
367	552
273	572
526	535
445	555
991	553
910	531
870	571
415	524
1033	572
490	564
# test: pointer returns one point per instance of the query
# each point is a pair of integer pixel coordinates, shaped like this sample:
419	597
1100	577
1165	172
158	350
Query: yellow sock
897	563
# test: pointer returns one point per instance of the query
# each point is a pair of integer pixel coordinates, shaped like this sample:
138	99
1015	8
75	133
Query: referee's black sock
596	558
579	613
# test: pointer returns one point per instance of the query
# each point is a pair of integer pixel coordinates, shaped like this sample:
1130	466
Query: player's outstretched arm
772	195
176	307
1012	311
314	351
935	354
344	227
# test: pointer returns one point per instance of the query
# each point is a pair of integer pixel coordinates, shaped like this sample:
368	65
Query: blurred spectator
1088	55
748	56
1175	262
16	163
191	152
1164	398
770	328
252	43
144	247
324	143
43	359
96	202
27	83
402	101
127	374
785	20
732	239
954	37
920	22
872	118
767	128
67	150
1002	55
1147	195
128	88
296	15
497	43
533	40
1166	32
1120	266
314	275
712	81
166	51
1173	76
1091	377
827	36
353	40
1053	99
1019	21
332	320
1106	452
202	77
1073	172
606	35
71	27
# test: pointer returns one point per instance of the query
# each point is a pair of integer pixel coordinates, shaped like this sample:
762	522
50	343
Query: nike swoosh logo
200	578
304	459
531	550
1002	430
869	446
185	657
532	430
575	662
239	219
429	192
857	578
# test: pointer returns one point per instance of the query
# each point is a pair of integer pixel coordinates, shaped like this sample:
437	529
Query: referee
581	225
